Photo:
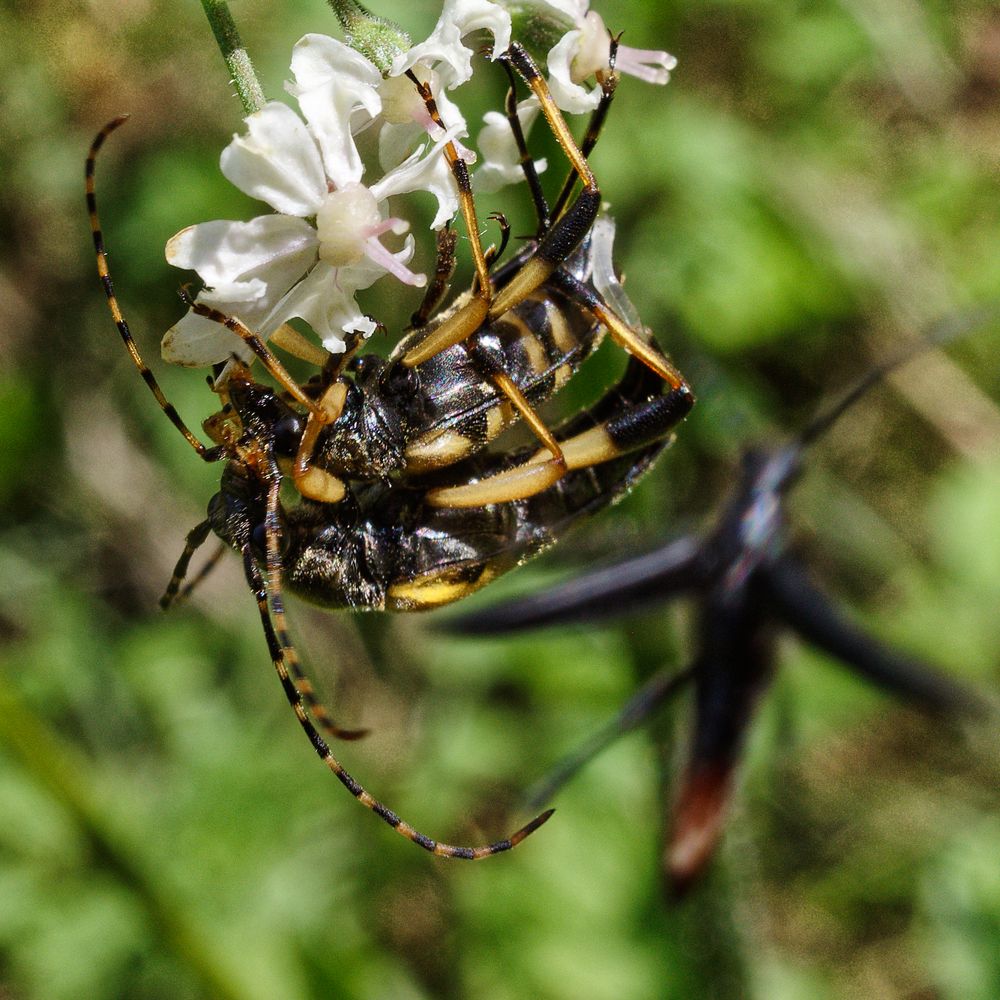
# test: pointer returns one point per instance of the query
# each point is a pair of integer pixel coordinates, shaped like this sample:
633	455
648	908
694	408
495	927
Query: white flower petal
444	50
649	65
197	342
319	59
395	143
429	173
568	95
277	161
397	140
325	300
278	248
574	10
605	277
365	273
332	83
501	160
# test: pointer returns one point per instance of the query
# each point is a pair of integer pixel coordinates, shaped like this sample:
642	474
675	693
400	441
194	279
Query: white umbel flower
324	242
585	49
281	266
445	50
501	159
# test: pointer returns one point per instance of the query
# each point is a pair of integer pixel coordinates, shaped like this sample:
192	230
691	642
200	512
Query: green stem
350	13
376	38
230	44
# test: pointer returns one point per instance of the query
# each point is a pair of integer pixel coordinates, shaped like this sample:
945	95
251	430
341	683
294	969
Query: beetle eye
287	434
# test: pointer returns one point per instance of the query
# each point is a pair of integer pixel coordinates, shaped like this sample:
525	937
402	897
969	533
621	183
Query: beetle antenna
103	271
656	691
944	332
269	599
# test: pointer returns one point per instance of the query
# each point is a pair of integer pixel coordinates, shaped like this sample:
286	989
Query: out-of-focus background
817	183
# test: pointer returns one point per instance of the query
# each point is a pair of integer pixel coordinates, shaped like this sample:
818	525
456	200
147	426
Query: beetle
385	547
400	507
457	381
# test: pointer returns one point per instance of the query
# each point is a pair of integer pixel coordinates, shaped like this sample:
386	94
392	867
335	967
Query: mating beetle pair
401	505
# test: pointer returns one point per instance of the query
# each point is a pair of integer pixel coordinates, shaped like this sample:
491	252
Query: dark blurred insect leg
735	663
650	697
811	614
209	565
609	592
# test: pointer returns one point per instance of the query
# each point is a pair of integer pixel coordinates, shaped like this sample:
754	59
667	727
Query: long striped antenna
269	600
208	454
195	539
953	327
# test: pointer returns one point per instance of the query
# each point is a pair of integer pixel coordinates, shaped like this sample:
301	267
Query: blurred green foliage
818	182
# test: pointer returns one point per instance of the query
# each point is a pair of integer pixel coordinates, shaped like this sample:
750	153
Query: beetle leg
564	236
559	241
630	428
642	348
283	653
472	316
467	204
527	161
304	692
444	268
310	480
520	403
289	339
256	344
195	539
270	603
493	252
609	82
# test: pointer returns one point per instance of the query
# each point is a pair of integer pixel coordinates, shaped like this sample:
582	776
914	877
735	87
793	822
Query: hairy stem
231	45
376	38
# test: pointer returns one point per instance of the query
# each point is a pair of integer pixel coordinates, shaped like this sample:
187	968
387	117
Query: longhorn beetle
452	517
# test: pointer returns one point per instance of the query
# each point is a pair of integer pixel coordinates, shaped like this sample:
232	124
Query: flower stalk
248	87
376	38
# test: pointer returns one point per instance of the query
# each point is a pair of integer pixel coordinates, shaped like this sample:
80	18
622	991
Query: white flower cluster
324	242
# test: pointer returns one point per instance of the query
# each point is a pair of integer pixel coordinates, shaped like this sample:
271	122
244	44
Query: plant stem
350	13
376	38
231	45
